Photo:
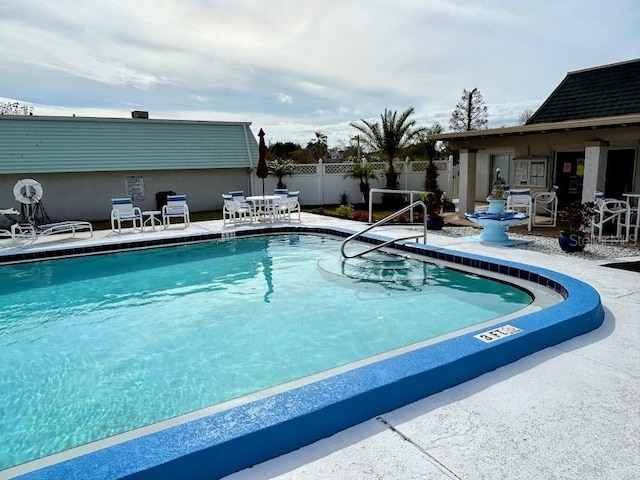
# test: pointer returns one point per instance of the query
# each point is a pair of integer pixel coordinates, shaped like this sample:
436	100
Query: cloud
340	61
284	98
200	98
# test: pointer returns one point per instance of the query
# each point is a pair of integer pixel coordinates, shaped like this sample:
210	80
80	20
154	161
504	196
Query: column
467	188
595	169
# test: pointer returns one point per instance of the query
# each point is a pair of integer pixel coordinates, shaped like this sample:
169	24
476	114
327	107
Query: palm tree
318	146
363	172
389	136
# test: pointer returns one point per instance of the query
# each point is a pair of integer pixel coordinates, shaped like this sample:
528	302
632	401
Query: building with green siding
83	162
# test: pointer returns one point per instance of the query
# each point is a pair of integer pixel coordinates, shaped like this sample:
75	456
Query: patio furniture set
260	208
620	216
123	210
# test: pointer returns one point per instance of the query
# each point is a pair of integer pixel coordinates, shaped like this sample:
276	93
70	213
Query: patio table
264	206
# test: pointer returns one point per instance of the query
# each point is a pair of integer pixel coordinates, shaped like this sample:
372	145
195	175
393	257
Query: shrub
345	211
360	216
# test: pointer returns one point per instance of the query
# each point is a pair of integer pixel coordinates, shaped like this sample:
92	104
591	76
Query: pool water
95	346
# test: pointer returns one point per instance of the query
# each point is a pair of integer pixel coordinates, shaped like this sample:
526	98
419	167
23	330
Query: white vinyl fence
323	183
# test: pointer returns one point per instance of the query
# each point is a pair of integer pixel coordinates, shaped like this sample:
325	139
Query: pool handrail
417	203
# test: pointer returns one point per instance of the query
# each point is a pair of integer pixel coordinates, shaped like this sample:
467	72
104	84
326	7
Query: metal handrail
418	203
411	193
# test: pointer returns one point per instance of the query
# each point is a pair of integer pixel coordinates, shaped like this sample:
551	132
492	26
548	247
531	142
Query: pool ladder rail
418	203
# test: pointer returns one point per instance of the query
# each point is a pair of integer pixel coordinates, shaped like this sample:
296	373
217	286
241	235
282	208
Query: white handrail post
320	172
406	173
411	203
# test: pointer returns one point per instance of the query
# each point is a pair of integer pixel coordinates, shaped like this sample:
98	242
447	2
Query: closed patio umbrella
262	171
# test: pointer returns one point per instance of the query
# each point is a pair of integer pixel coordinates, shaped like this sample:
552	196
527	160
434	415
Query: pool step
382	268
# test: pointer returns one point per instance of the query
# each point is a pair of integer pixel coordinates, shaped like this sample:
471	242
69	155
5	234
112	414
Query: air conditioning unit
139	114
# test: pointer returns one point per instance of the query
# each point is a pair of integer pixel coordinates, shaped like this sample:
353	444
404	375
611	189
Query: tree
525	116
389	136
15	108
470	112
282	150
318	146
363	172
434	197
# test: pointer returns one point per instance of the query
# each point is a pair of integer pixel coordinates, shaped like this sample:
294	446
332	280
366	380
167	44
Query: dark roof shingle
605	91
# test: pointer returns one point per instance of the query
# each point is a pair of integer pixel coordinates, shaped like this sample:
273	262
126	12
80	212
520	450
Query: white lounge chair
176	207
122	210
26	231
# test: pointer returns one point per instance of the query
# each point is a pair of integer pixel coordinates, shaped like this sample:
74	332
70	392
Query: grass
195	217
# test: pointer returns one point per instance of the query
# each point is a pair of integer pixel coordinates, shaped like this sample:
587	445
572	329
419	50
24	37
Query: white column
467	201
595	169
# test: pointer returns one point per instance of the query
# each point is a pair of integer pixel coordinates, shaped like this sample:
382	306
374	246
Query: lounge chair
176	207
29	232
122	210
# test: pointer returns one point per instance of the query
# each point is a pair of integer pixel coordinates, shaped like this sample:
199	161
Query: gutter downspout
250	169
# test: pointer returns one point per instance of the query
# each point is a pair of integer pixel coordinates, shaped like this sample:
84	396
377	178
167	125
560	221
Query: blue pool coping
225	442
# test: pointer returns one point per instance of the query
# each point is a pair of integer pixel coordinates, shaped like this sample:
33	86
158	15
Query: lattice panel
337	168
305	169
441	165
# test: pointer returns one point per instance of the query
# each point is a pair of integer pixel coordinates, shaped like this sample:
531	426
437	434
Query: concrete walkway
568	412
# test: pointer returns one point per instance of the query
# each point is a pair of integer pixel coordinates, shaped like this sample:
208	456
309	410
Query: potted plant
280	168
576	217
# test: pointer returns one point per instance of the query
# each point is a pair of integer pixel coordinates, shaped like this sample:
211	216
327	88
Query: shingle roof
604	91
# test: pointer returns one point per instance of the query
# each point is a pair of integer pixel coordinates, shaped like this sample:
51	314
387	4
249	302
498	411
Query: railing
386	190
419	203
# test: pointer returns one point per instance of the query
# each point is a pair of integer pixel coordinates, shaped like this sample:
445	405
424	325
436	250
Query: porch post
595	169
467	190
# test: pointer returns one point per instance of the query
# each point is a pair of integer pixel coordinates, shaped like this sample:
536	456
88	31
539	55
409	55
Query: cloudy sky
295	67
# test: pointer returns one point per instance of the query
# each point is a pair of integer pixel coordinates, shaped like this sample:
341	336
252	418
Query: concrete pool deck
569	411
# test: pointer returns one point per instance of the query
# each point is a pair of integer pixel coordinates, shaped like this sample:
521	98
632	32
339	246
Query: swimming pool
264	283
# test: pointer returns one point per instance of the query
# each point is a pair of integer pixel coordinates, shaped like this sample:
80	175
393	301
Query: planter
572	241
435	223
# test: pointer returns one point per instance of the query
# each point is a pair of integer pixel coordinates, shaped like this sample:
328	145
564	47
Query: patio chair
234	212
122	210
519	199
293	204
280	204
610	212
176	207
545	204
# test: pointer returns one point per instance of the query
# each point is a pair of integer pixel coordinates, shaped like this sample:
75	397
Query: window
503	162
